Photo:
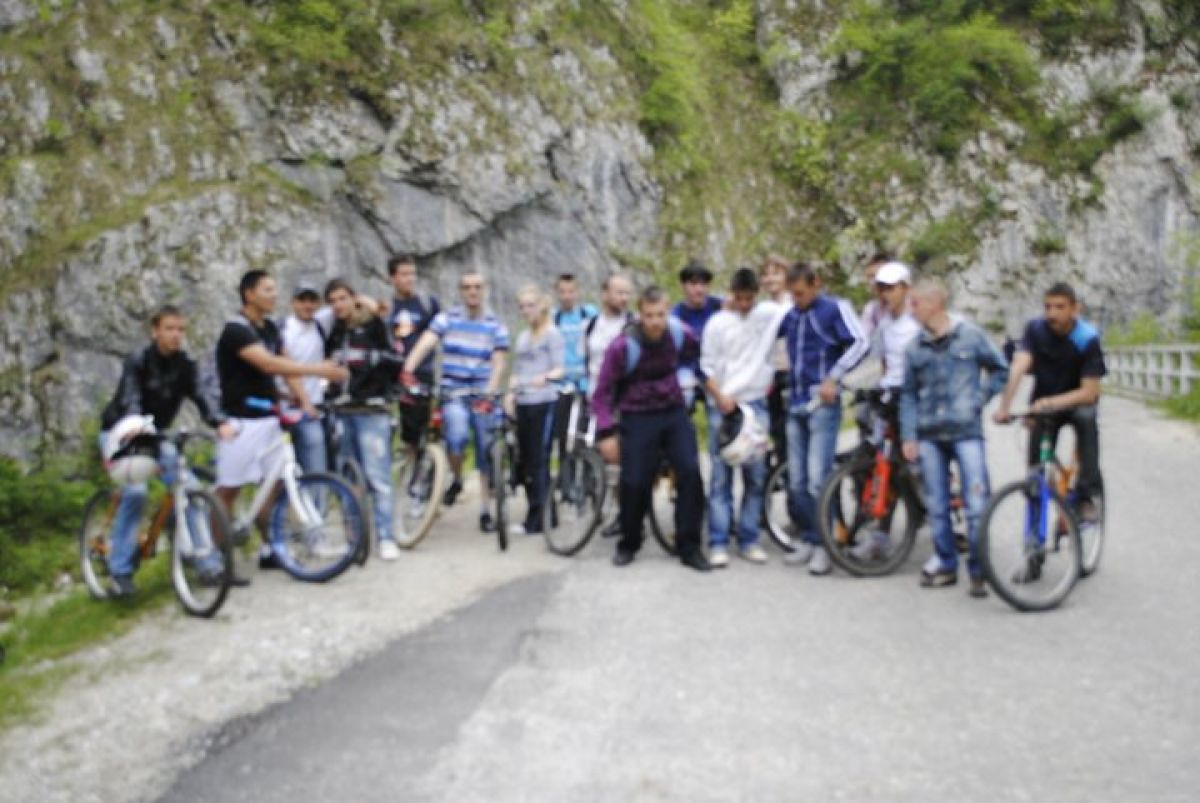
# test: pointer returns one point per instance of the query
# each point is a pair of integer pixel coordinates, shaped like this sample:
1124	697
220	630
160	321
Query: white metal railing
1156	372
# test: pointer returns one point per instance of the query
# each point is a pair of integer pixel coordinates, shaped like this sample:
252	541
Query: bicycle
575	502
316	526
1030	546
202	529
420	475
503	458
349	469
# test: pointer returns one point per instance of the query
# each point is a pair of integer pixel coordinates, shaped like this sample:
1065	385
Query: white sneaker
388	550
933	565
754	553
802	555
820	563
516	530
872	547
718	557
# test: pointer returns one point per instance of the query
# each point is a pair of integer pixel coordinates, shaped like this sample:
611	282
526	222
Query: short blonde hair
532	291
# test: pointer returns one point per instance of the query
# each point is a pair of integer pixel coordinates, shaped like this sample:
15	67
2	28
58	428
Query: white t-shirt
603	334
303	342
889	342
736	350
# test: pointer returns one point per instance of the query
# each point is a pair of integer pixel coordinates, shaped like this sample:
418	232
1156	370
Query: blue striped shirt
467	346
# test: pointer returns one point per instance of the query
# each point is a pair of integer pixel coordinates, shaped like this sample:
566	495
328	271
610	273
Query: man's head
167	328
402	270
1062	308
804	283
743	290
616	294
470	288
305	301
567	290
695	279
892	281
877	260
929	300
258	292
652	309
773	275
340	297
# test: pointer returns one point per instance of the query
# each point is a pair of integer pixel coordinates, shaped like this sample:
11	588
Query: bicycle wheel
95	540
574	504
202	560
660	515
499	461
317	535
776	518
351	471
857	541
1091	536
1029	550
418	486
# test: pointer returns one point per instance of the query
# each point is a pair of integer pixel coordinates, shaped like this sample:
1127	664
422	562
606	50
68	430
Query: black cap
695	271
306	289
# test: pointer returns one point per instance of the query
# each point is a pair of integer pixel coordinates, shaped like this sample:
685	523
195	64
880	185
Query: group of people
765	366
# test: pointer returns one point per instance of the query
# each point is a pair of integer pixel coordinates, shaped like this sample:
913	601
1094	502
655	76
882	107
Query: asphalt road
763	683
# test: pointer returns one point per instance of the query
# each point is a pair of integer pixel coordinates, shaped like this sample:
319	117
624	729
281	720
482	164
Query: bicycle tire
429	472
660	514
499	480
95	540
1091	538
841	533
1008	568
351	471
573	506
189	588
294	540
776	518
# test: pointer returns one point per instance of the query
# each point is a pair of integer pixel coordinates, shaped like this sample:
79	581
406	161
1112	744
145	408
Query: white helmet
131	450
742	438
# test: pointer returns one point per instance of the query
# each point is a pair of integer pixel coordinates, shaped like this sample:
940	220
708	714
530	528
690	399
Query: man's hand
911	451
328	369
310	411
828	391
482	405
726	404
227	430
609	449
1043	406
1001	416
409	380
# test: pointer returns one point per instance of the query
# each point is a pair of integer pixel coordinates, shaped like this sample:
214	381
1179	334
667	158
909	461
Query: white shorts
248	458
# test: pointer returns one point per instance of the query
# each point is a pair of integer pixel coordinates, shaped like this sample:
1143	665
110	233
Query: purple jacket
650	388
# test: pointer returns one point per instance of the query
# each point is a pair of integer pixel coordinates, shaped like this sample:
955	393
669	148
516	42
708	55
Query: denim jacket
943	394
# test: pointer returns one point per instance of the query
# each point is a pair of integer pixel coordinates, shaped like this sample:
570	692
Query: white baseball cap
893	273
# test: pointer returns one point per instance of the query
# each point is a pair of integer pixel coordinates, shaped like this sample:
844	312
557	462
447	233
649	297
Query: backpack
588	311
633	346
587	333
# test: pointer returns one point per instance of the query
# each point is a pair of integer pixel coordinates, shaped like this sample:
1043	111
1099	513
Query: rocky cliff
152	151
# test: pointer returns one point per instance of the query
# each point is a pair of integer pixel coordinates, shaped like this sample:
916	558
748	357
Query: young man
653	423
474	349
896	330
1064	353
249	357
602	330
696	309
824	342
154	381
571	318
304	334
412	312
735	359
773	278
360	341
872	311
941	403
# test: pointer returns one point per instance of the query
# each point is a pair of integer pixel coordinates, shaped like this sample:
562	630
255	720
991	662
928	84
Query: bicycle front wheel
202	555
499	461
352	472
1091	536
418	486
660	514
574	504
1029	548
95	540
776	518
858	541
317	534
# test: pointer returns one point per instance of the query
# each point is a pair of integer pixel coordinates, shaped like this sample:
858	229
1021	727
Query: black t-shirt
246	392
1061	363
409	319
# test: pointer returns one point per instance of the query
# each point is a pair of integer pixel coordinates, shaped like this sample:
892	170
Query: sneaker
122	587
942	578
388	549
800	556
718	557
1030	570
977	589
754	553
873	547
1088	513
452	492
612	530
820	563
266	558
622	557
516	530
486	523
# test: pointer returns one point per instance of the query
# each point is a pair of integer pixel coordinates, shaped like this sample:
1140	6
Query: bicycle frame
1043	474
285	469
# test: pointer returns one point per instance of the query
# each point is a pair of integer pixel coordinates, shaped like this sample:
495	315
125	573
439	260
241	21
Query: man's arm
1021	364
908	409
258	356
1087	393
499	361
850	335
711	357
131	385
425	345
991	359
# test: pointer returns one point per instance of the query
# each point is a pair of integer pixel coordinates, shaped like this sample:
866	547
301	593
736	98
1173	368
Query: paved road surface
762	683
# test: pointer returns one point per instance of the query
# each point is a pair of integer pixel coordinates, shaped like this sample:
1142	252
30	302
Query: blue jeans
935	473
459	424
368	439
309	439
123	555
720	492
811	446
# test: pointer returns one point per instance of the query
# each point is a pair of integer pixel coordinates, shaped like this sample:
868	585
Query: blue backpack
633	346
